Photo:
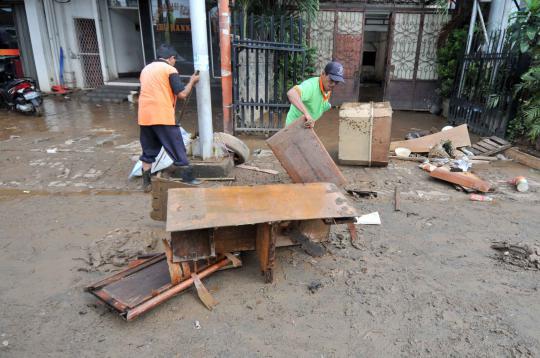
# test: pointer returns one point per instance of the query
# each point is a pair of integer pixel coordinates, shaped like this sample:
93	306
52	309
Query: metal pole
481	17
197	14
226	74
469	44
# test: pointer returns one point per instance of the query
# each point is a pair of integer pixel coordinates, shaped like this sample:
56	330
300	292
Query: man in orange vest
160	87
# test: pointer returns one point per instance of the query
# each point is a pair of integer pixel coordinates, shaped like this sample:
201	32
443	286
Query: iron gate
89	52
411	78
483	93
268	58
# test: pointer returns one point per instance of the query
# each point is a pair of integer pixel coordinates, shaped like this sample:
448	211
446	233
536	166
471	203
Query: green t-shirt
313	99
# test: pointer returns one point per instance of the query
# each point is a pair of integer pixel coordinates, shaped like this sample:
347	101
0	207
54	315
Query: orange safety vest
156	100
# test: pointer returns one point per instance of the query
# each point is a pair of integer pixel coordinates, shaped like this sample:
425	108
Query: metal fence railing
268	57
483	95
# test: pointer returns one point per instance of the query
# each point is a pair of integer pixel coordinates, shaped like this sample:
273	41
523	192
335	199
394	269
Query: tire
235	145
38	109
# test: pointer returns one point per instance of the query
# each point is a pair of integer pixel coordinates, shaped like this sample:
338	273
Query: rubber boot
187	175
147	181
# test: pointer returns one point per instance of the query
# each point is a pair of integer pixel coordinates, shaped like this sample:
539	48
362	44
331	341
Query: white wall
40	44
127	41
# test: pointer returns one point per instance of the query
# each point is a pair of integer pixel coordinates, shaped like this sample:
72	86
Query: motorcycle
20	94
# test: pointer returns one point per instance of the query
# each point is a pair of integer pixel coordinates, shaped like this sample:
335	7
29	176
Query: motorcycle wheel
38	109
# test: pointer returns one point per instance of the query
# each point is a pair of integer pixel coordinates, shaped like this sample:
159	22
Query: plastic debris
197	325
478	197
521	184
369	219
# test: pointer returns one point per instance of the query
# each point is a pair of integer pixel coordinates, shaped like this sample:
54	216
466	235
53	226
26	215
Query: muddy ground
424	283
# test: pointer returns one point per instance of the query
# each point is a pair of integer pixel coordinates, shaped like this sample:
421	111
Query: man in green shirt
310	98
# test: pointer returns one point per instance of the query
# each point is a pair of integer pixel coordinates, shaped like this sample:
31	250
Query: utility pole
226	74
197	14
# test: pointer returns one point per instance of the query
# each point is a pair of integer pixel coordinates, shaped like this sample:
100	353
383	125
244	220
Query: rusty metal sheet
201	208
148	283
303	156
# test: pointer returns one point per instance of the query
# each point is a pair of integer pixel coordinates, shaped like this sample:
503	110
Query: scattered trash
5	343
501	157
521	184
417	134
458	135
478	197
402	152
52	150
397	199
462	165
314	286
26	191
197	325
369	219
445	128
438	152
521	255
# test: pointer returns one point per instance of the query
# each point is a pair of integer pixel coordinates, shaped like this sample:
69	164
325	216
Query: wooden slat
499	141
479	148
492	143
484	144
200	208
458	135
303	156
523	158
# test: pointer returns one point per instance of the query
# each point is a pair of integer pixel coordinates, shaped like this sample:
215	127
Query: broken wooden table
207	222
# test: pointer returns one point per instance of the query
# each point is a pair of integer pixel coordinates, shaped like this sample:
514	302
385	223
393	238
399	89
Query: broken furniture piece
303	156
208	222
148	283
364	133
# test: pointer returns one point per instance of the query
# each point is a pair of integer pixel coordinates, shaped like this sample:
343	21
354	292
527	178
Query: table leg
265	245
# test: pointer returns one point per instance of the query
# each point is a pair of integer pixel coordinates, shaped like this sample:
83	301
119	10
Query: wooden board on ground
458	135
523	158
466	180
303	156
489	146
201	208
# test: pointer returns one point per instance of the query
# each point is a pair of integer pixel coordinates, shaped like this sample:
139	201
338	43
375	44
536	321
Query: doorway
126	39
374	56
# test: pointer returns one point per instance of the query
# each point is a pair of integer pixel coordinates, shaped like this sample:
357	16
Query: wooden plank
303	156
499	141
463	179
458	135
266	249
174	269
200	208
492	143
257	169
479	148
486	145
523	158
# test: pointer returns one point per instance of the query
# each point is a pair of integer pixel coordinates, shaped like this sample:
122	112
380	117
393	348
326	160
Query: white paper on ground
369	219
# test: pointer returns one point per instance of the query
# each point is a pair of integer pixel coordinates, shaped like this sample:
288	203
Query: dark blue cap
165	51
335	71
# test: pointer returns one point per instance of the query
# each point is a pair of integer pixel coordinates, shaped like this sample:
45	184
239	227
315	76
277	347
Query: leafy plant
524	36
448	57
